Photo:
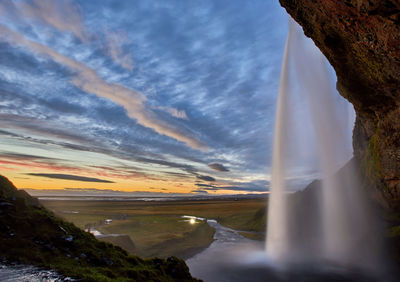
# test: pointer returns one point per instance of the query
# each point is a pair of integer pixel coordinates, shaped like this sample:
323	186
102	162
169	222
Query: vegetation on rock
31	234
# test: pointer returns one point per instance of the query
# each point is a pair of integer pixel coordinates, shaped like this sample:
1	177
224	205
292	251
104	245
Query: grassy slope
123	241
31	234
253	219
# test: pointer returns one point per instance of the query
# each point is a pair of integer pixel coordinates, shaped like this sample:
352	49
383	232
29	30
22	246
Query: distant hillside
30	234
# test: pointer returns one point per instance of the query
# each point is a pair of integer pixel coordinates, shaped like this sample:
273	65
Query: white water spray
277	240
313	140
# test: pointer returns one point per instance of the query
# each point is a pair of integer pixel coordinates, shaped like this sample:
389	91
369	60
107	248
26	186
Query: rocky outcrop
361	39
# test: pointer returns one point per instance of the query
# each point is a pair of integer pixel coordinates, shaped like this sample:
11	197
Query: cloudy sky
163	96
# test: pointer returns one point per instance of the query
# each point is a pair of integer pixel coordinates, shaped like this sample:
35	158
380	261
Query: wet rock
5	204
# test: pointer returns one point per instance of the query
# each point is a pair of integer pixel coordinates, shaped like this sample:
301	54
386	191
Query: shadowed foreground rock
30	234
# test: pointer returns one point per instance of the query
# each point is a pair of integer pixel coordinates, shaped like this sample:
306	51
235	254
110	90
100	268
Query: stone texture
361	39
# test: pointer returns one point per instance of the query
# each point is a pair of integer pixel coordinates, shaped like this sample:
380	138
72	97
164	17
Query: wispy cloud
252	186
89	81
18	156
8	159
116	42
62	15
218	167
175	112
125	90
70	177
66	16
40	127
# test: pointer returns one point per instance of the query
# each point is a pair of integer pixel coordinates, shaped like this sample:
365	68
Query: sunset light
212	140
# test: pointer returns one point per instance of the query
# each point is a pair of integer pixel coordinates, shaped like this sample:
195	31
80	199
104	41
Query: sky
169	96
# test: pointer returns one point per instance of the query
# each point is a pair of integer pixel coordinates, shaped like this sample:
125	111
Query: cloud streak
66	16
205	178
127	90
115	42
62	15
89	81
70	177
218	167
181	114
253	186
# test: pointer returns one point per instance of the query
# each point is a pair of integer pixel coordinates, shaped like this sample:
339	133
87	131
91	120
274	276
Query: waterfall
330	222
277	241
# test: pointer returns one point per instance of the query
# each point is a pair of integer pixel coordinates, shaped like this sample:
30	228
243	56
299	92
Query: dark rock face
361	39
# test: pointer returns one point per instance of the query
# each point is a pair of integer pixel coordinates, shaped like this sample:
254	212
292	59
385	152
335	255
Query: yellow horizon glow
23	181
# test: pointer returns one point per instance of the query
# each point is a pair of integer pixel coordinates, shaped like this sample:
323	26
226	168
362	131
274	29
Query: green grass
157	228
148	230
185	246
251	220
31	234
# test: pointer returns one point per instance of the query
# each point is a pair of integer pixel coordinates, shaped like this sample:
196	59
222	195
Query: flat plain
158	228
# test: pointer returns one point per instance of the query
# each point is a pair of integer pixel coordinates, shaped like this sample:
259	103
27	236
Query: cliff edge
361	39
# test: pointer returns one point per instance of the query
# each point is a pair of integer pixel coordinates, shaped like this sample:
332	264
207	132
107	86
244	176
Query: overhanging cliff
361	39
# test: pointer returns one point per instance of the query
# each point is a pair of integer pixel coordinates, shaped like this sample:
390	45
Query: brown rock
361	39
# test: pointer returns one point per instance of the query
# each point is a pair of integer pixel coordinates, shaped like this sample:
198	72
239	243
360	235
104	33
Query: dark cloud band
70	177
205	177
218	167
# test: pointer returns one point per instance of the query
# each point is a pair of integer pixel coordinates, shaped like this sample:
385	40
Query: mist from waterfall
331	221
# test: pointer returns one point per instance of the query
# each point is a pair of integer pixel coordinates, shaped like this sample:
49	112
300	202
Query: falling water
277	241
331	221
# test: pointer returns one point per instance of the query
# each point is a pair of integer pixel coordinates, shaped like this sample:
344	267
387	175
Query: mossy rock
30	234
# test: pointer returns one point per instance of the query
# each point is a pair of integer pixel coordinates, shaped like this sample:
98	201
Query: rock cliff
361	39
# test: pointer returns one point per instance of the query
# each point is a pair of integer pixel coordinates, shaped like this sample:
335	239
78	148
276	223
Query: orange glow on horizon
42	183
20	173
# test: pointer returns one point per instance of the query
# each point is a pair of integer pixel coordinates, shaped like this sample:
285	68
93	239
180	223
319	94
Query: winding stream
234	258
229	247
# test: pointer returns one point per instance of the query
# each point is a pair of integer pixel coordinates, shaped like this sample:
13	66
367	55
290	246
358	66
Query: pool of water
234	258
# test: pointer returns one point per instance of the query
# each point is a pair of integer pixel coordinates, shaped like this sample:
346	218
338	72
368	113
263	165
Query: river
234	258
228	249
